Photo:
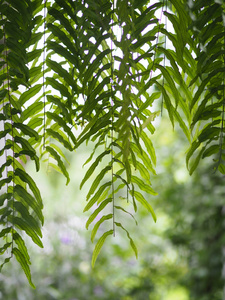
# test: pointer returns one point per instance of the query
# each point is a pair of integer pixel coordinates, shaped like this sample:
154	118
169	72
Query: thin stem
112	130
13	143
5	139
43	75
164	57
157	40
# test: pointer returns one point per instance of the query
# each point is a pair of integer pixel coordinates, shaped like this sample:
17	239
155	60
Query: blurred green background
181	257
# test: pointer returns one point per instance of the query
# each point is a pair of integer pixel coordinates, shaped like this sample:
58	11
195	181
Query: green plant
92	71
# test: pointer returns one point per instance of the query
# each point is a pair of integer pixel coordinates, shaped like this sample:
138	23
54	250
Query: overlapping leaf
21	203
207	104
111	67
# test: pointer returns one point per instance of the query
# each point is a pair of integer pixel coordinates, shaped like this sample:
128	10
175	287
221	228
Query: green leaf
7	259
93	51
24	264
16	61
131	240
58	86
8	163
97	211
32	110
34	54
149	146
103	189
144	157
58	136
57	68
98	144
143	171
35	37
97	181
62	51
221	168
35	122
209	133
32	185
203	85
23	225
95	229
127	212
99	246
21	7
150	119
142	185
13	45
26	130
30	201
88	127
61	122
5	181
60	163
3	93
183	126
27	149
60	104
96	129
59	15
142	40
196	161
53	166
63	39
213	149
5	231
35	74
19	207
139	197
122	179
16	162
93	167
60	152
21	245
95	64
190	151
168	103
5	132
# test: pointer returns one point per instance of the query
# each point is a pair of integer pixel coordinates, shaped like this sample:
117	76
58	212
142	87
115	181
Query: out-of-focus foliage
195	207
199	227
180	257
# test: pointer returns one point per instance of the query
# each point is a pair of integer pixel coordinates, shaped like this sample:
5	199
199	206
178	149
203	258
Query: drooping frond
97	72
20	200
207	105
106	69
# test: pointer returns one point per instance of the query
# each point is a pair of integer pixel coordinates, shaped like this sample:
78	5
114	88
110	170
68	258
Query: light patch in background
181	175
178	293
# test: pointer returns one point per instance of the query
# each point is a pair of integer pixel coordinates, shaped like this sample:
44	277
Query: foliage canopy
74	72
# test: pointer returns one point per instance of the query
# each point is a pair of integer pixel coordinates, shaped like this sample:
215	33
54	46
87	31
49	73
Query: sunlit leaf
131	240
140	198
23	262
99	246
30	200
97	224
60	163
97	181
97	211
27	178
93	167
103	188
